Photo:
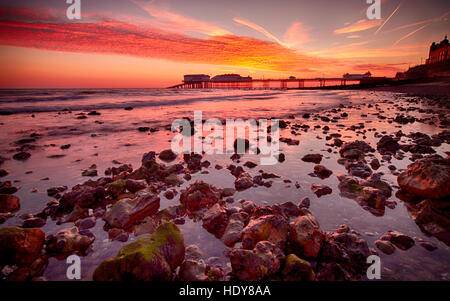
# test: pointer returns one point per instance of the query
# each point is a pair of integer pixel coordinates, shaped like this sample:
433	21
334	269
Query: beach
62	138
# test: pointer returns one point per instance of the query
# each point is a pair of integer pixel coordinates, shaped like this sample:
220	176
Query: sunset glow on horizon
152	44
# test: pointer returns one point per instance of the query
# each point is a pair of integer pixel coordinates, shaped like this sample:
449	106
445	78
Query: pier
291	83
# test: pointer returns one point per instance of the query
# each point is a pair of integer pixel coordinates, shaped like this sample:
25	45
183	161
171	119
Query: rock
199	195
254	265
215	220
193	252
387	144
55	190
322	172
33	222
306	236
314	158
248	206
22	156
243	182
127	168
7	188
90	172
296	269
343	229
433	218
273	228
147	226
86	223
83	197
348	250
127	212
193	161
400	240
385	246
20	246
428	177
250	164
67	241
355	150
151	258
226	192
304	203
375	164
116	188
9	203
134	186
233	231
173	180
320	189
428	246
290	209
358	169
191	270
3	173
167	155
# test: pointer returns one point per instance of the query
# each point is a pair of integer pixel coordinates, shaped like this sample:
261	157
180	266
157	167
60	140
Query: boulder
306	236
215	220
19	246
387	144
428	177
322	172
9	203
400	240
272	228
127	212
68	240
314	158
320	189
355	150
233	231
151	258
385	246
243	182
191	270
199	195
296	269
253	265
167	155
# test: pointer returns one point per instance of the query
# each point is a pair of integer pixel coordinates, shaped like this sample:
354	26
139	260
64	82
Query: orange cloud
114	37
296	34
360	25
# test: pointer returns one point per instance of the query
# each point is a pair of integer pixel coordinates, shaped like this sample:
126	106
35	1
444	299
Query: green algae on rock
153	257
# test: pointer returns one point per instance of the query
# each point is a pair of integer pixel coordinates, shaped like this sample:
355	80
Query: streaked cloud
388	18
360	25
261	30
410	34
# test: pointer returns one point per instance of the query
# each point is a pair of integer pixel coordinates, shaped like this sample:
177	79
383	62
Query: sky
139	43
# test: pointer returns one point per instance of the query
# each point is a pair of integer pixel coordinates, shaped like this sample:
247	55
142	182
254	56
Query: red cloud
114	37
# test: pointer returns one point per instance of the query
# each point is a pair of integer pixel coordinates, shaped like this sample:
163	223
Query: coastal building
357	76
193	78
439	52
230	78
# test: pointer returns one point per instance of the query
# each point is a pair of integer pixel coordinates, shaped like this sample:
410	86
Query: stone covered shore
282	241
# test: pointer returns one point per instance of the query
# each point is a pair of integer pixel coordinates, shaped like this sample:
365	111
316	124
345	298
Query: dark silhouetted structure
439	52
